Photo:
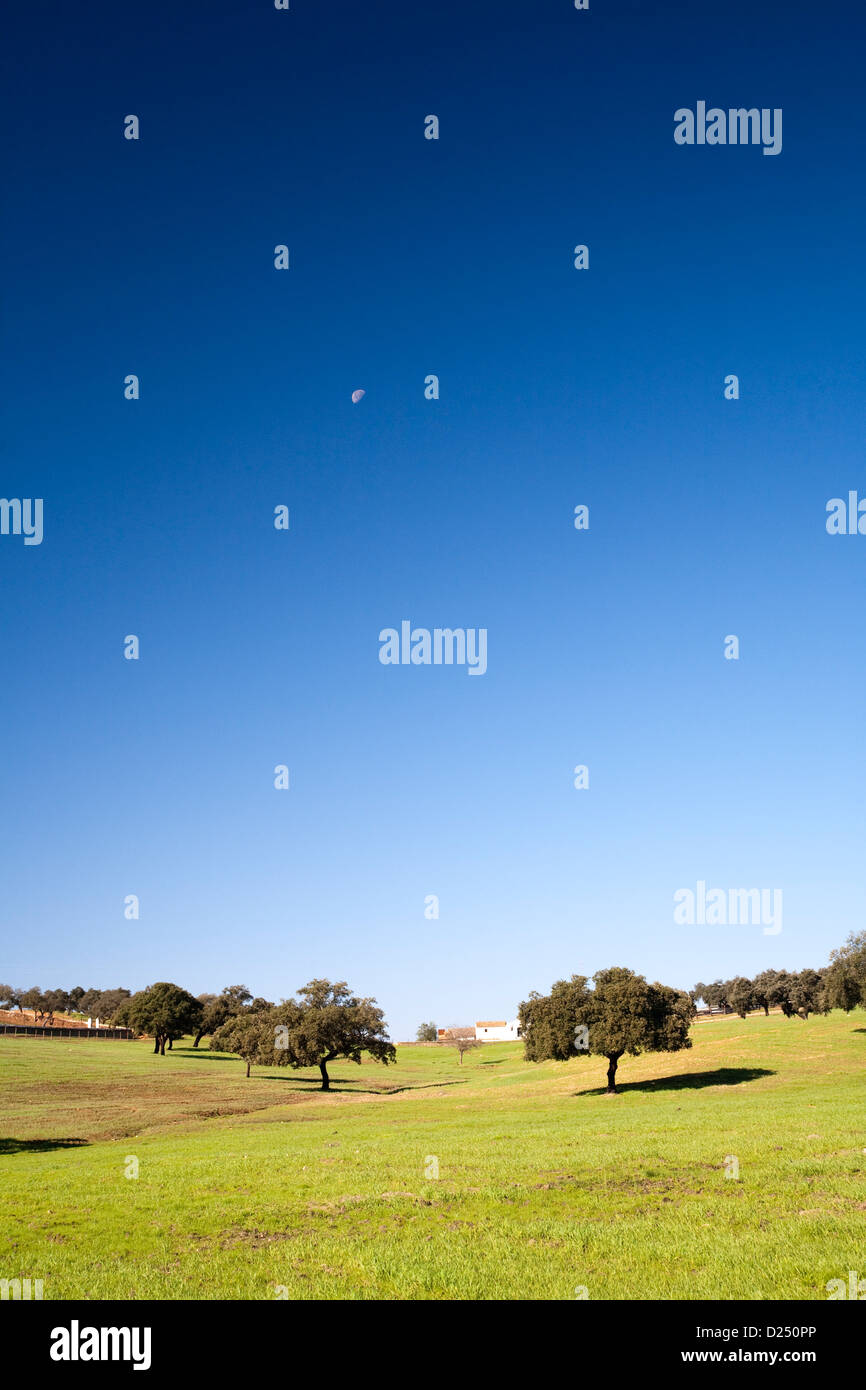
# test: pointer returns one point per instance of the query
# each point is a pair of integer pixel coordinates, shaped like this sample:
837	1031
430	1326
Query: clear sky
558	387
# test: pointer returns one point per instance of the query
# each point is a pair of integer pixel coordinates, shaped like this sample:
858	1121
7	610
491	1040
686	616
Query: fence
33	1032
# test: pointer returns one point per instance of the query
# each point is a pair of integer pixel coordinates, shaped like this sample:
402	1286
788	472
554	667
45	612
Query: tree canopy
325	1022
9	998
621	1014
845	978
250	1036
741	995
164	1011
218	1008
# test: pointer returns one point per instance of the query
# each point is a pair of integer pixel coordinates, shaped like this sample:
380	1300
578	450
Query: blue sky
558	387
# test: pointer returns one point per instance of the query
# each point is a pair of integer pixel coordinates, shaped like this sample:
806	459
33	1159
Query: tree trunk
156	1042
766	1011
613	1058
326	1083
198	1037
169	1044
162	1043
248	1068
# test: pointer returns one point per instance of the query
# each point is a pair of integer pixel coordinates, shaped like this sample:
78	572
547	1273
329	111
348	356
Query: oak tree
621	1014
327	1021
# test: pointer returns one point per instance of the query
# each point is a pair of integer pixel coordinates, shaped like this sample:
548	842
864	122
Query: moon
356	396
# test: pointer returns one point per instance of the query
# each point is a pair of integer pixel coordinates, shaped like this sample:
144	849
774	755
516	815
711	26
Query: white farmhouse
497	1030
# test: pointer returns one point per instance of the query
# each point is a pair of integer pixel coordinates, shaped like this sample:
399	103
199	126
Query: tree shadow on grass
689	1081
38	1146
348	1085
203	1054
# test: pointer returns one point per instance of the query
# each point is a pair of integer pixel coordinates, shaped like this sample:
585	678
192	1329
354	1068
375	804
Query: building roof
497	1023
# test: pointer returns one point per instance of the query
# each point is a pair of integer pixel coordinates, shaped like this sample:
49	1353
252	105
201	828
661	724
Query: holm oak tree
621	1014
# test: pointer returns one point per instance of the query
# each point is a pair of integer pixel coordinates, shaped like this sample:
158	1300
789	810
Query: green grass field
265	1187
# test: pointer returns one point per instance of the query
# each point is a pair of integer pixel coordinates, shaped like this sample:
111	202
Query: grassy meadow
266	1188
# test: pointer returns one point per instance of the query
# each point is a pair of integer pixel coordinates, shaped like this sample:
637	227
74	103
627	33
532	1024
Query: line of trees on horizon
45	1004
798	994
839	985
324	1023
110	1006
